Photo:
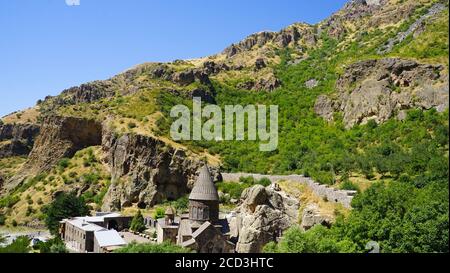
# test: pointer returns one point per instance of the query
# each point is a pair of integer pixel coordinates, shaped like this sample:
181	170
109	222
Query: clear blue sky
47	46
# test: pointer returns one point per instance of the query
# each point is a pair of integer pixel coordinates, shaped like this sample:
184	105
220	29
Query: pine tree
138	224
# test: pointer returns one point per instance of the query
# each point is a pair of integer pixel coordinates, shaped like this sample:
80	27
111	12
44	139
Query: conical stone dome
204	188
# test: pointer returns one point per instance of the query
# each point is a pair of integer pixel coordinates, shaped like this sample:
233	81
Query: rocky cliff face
264	214
17	139
146	171
60	137
380	89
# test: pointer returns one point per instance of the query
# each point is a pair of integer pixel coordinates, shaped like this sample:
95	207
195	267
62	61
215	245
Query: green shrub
63	164
131	125
233	189
138	223
19	245
349	186
153	248
264	182
159	213
90	178
181	203
64	206
9	201
30	211
55	245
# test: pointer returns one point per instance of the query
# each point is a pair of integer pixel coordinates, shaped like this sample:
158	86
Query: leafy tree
63	164
348	185
55	245
19	245
264	182
317	240
64	206
400	217
181	203
159	213
138	223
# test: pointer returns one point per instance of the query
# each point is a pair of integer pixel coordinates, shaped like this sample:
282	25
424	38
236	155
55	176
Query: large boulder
184	77
263	216
312	216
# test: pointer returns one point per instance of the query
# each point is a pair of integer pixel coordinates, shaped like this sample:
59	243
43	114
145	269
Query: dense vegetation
19	245
55	245
64	206
152	248
397	215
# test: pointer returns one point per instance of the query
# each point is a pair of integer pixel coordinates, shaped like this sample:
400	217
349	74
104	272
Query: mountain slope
363	98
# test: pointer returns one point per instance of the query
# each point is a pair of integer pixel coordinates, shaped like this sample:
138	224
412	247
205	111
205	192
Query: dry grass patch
306	196
29	115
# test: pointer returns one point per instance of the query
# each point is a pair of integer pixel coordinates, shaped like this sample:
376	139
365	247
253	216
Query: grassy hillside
400	167
84	171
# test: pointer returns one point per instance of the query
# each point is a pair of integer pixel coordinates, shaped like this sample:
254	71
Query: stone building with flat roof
106	241
94	233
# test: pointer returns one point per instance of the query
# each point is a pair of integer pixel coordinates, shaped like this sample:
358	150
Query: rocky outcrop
89	92
85	93
282	39
60	137
414	29
206	95
19	131
376	14
379	89
263	216
128	83
268	83
212	68
310	84
17	139
146	171
260	63
354	10
312	216
257	39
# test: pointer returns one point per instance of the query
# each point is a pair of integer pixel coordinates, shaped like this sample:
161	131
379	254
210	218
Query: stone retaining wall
343	197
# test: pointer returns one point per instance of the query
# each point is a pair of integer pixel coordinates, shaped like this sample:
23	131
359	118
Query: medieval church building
201	230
